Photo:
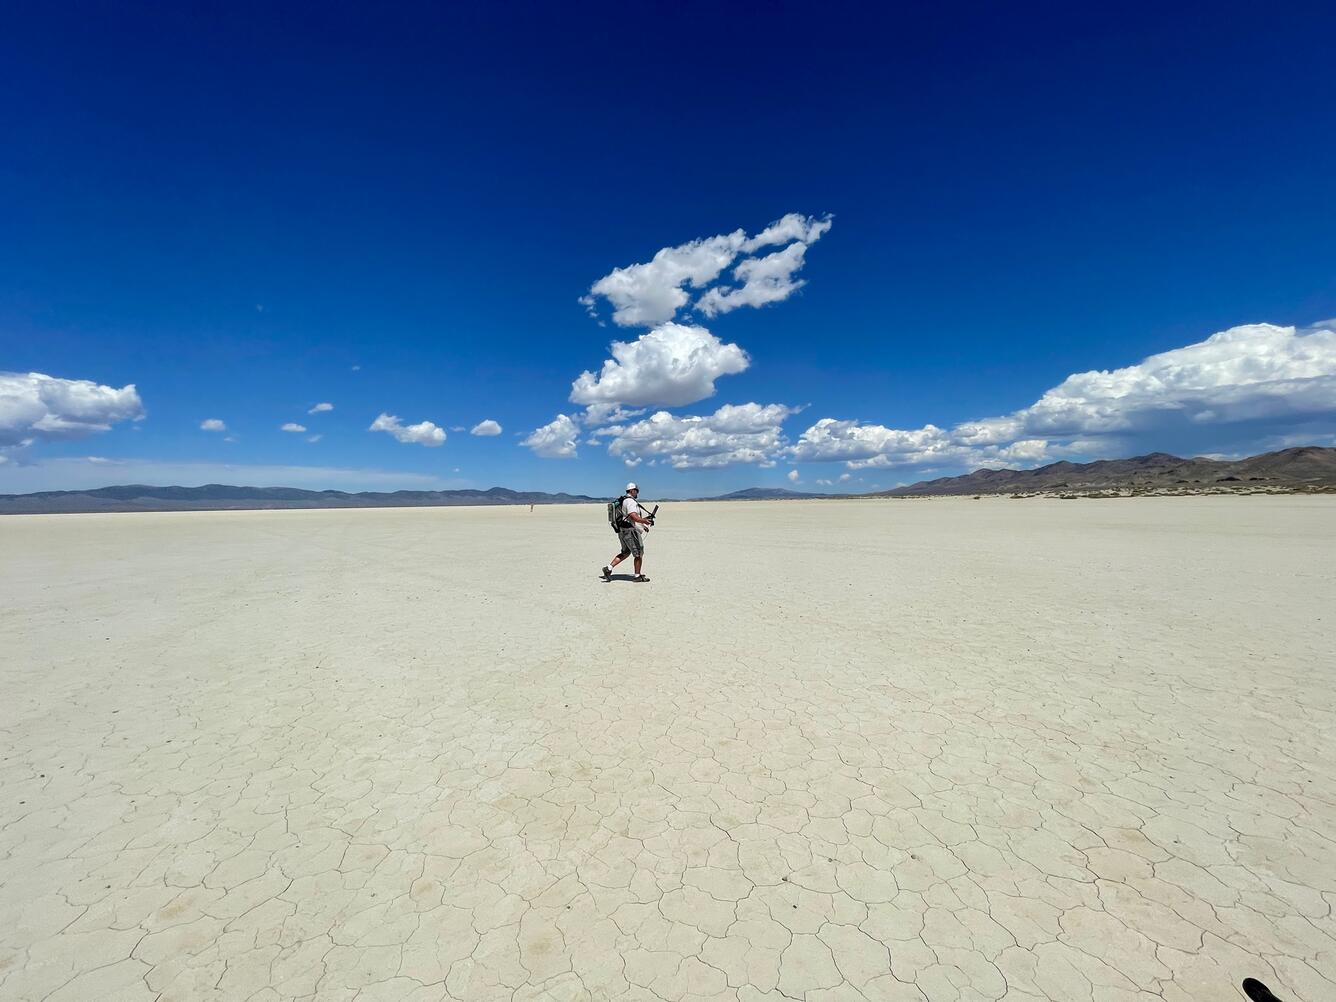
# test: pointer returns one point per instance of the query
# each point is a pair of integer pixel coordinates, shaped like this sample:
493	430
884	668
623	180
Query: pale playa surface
1069	750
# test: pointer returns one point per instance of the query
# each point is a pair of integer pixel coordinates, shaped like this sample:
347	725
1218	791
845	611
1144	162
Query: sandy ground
1068	750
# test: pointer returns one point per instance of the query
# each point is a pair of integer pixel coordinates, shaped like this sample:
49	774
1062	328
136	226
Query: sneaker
607	573
640	579
1257	991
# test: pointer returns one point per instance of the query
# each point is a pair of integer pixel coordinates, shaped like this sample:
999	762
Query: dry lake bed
917	750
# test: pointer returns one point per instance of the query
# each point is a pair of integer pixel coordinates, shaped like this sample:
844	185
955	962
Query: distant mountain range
221	497
1310	468
766	494
1304	469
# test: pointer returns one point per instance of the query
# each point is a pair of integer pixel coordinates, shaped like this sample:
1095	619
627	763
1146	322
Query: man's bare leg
607	570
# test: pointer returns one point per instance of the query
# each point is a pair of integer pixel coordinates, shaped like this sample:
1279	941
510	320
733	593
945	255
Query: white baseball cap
631	487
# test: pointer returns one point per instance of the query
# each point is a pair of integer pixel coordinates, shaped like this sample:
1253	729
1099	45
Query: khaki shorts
632	542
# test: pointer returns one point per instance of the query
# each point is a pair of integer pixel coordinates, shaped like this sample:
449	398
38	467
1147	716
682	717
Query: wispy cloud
600	414
794	226
321	408
213	424
486	428
293	427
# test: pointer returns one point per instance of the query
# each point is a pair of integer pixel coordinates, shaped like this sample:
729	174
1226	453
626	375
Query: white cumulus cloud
863	446
293	427
794	226
35	407
793	476
735	433
556	439
764	280
651	293
851	441
643	295
1250	372
675	363
212	424
486	427
423	433
320	408
1259	375
672	365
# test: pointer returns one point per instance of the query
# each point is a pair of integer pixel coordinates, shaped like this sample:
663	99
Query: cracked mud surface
915	751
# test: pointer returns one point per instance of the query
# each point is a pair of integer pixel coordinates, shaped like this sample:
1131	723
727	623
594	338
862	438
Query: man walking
632	534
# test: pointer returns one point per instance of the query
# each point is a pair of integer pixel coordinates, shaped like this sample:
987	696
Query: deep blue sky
231	207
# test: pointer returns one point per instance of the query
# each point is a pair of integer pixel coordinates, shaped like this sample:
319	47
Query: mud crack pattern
1078	751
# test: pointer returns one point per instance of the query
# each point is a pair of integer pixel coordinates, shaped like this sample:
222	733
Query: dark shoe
640	579
1257	991
607	573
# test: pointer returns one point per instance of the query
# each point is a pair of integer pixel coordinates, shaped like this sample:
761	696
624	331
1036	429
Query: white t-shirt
629	506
